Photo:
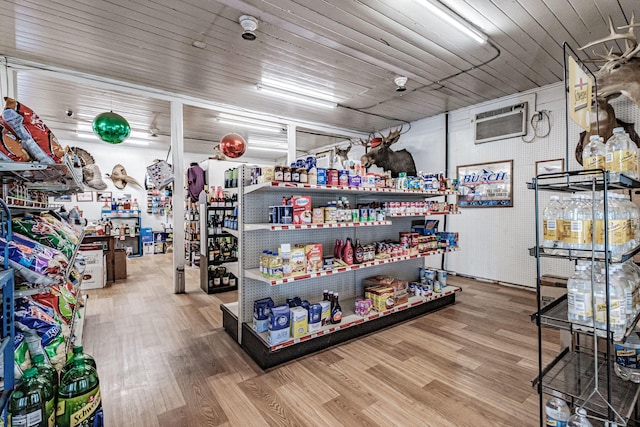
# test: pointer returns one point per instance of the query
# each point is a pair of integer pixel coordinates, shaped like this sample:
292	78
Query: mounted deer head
341	155
621	72
387	159
620	75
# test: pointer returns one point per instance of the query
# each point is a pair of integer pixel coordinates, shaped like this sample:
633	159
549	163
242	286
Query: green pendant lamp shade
111	127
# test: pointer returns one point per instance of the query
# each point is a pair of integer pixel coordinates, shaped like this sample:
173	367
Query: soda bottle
556	411
77	353
49	377
27	402
579	419
79	399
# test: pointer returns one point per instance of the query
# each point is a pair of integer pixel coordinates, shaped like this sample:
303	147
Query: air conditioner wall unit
501	123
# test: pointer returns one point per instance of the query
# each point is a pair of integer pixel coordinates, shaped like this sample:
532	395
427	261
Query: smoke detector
249	25
401	83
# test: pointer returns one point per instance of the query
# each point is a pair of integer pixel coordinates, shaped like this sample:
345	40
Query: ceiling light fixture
285	94
91	135
454	19
277	150
263	128
294	87
248	120
267	144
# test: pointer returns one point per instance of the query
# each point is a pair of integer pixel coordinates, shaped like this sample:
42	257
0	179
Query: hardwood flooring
164	360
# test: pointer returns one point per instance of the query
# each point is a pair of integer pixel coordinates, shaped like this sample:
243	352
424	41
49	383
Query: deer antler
632	43
613	35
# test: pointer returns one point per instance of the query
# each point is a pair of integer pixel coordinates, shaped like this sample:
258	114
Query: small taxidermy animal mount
387	159
219	155
91	175
620	75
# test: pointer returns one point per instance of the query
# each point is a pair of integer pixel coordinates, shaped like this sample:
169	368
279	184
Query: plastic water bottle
616	228
579	419
579	297
577	226
627	286
594	153
598	218
627	355
556	410
621	155
617	304
633	220
552	225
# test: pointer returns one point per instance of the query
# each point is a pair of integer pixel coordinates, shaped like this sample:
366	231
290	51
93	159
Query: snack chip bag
11	149
42	232
33	266
35	136
60	299
55	351
33	318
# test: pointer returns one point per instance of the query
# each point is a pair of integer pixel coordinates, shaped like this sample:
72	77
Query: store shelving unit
256	235
582	373
8	329
133	239
212	218
192	233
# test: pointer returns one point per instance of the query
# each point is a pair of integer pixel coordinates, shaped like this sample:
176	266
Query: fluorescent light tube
277	150
280	93
226	116
297	89
251	125
456	21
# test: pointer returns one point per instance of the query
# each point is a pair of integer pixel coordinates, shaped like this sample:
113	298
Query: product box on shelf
298	261
313	252
261	311
301	209
382	297
447	239
326	312
400	287
322	176
279	322
299	321
315	317
317	216
355	180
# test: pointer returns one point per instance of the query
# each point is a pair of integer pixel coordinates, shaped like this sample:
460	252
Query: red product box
301	209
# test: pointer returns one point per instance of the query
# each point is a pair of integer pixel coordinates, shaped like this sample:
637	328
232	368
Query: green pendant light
111	127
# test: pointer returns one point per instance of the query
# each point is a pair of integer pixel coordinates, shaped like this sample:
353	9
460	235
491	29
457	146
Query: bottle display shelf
554	315
255	273
581	254
311	188
421	214
576	181
572	374
231	231
286	227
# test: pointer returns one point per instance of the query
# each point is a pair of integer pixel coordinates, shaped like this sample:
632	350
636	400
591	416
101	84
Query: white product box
148	248
93	277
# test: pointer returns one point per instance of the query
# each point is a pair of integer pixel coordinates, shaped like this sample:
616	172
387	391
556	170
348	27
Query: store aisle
164	360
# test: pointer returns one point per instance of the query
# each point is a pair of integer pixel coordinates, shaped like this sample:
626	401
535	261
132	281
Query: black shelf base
220	289
229	322
265	358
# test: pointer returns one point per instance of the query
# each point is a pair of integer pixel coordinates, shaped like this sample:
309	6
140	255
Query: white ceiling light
91	135
263	128
300	89
266	143
455	20
277	150
285	94
249	120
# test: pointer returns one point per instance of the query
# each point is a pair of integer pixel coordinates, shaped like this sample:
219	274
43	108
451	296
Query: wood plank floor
164	360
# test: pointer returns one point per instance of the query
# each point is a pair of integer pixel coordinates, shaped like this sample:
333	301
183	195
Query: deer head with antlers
387	159
620	75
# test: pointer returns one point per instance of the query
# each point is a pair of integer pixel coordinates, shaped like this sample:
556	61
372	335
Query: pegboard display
254	210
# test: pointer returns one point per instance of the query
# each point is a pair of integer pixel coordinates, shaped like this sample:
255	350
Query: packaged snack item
33	318
21	352
35	136
33	266
55	351
11	149
60	299
42	232
315	317
301	209
298	261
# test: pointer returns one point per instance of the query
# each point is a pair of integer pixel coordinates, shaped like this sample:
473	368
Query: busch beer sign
486	184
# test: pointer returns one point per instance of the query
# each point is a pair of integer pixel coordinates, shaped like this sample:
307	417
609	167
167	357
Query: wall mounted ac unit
501	123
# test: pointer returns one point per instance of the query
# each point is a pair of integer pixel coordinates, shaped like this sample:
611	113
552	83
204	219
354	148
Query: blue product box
279	318
322	176
315	317
355	180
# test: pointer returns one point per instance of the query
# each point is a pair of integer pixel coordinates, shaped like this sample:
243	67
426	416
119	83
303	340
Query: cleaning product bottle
48	375
79	400
27	402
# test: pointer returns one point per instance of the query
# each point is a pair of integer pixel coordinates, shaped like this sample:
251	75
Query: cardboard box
93	276
299	322
298	261
551	288
382	297
120	264
301	209
313	252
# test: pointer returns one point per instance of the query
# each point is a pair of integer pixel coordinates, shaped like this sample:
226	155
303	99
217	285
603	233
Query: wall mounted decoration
486	185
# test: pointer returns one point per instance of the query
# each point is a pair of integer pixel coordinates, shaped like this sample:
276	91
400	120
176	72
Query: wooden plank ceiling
352	49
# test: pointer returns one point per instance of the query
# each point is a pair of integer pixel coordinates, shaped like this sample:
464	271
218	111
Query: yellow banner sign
580	89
